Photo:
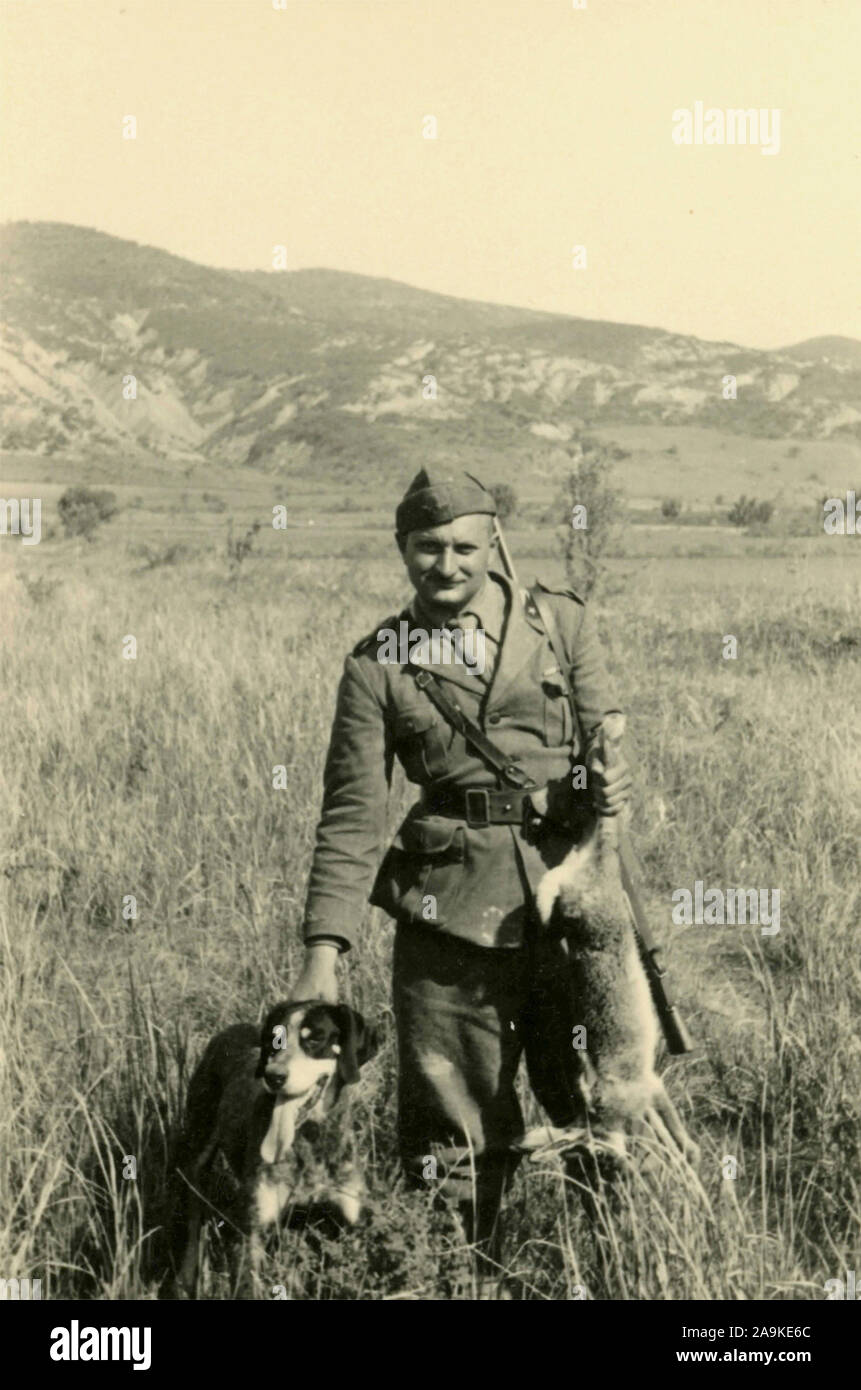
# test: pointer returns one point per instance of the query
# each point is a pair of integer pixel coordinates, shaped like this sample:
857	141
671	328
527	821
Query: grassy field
153	778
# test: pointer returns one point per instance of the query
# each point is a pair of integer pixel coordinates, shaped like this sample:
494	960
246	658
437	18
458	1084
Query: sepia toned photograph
430	617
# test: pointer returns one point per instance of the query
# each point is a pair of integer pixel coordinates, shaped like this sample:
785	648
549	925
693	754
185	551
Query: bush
168	555
83	509
671	507
239	549
506	500
746	511
589	484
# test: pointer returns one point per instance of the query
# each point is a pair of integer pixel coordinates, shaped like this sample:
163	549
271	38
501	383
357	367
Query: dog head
303	1044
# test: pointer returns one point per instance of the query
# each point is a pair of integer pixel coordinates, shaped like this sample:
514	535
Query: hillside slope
320	369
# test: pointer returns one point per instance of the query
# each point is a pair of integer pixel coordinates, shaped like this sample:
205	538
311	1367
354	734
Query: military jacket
440	872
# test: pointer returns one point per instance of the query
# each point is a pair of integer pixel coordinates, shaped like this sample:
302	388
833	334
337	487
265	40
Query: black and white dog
258	1142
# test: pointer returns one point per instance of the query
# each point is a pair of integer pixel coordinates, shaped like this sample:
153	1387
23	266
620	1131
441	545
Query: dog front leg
256	1252
190	1263
245	1262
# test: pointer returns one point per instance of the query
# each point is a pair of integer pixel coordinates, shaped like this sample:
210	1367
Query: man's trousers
465	1015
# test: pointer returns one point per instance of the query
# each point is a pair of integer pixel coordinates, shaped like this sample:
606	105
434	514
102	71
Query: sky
305	127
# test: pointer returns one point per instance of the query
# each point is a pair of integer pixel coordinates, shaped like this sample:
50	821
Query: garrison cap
438	495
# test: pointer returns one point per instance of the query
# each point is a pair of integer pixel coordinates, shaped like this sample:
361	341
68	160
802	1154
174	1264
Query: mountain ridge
318	368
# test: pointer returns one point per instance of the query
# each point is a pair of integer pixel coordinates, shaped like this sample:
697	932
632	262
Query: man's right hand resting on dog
317	978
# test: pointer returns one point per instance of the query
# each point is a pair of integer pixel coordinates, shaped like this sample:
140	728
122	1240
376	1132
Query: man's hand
317	978
610	787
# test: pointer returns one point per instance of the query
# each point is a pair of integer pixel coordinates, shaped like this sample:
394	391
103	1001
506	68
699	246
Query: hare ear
358	1042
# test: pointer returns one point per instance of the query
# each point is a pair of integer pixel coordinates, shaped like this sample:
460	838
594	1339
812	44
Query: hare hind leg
665	1120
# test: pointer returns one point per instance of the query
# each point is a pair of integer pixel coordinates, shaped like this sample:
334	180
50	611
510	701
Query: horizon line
421	289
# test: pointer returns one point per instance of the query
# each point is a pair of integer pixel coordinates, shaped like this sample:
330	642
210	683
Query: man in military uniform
477	983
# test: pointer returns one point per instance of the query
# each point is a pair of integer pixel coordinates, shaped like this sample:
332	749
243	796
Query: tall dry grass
153	778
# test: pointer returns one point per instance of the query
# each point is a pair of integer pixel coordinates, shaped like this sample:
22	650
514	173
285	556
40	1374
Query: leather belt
480	806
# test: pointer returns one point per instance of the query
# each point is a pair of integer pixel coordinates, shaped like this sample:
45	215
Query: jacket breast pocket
421	875
558	720
421	743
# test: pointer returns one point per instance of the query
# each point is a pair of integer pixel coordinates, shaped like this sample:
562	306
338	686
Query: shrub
41	589
172	554
671	507
590	484
239	549
83	509
746	511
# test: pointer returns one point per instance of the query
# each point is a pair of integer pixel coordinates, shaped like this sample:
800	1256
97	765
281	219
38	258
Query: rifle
676	1035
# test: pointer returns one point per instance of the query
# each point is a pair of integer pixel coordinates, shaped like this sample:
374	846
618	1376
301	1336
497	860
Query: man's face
447	564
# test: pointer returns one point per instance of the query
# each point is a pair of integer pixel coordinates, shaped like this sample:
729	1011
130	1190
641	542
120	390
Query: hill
839	352
322	372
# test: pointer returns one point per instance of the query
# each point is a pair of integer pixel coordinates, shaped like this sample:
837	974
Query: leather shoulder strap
554	637
451	711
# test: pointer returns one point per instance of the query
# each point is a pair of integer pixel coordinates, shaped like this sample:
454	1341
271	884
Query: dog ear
359	1042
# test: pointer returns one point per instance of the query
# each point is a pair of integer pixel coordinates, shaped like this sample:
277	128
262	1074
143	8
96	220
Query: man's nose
447	563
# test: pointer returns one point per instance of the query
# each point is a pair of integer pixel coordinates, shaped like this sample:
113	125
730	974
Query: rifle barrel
504	552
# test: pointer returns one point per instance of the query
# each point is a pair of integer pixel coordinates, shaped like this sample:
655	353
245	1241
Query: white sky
304	127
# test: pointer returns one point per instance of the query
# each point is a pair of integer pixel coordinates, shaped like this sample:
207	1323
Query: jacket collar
521	635
490	612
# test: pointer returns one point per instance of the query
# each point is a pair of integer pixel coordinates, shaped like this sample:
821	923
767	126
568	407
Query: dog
583	897
257	1139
